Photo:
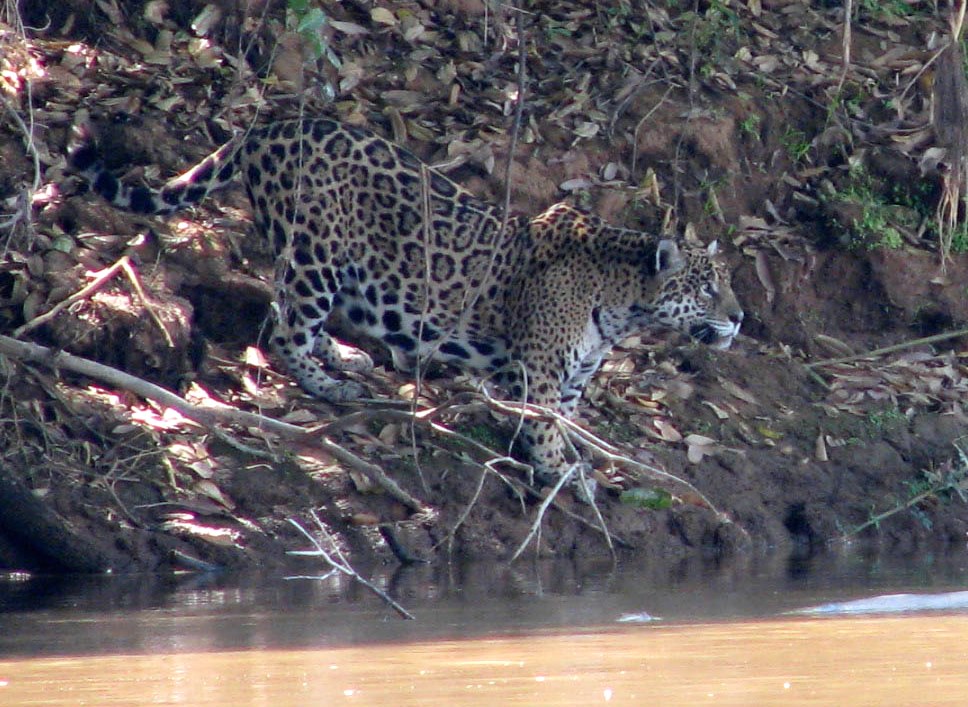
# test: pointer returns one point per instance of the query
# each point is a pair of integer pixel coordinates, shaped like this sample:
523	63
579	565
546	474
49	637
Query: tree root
208	417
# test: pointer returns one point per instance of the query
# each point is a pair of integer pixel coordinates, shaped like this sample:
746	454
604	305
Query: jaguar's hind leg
341	357
298	338
293	344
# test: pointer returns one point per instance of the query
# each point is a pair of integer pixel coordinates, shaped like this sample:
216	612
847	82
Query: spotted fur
361	226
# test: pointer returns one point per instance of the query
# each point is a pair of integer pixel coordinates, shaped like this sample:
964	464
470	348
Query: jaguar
363	228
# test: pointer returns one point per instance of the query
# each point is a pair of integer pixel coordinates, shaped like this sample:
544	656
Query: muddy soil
753	449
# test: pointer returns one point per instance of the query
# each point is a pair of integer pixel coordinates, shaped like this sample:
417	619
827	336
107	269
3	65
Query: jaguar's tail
211	174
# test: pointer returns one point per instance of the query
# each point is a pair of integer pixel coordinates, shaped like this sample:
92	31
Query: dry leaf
350	28
587	129
719	412
737	392
820	449
155	11
299	416
362	482
834	345
407	391
206	19
576	184
383	16
204	468
764	275
700	446
666	431
390	434
210	490
254	357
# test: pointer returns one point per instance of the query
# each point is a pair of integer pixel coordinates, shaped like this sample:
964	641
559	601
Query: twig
23	213
846	44
924	67
340	563
638	126
516	126
889	349
208	417
467	509
598	445
536	526
468	304
590	492
954	480
101	277
426	418
426	215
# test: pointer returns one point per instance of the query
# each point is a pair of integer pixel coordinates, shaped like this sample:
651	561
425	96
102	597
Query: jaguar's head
695	295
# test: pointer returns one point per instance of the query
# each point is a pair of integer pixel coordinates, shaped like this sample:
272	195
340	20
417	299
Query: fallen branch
340	563
101	277
890	349
423	418
845	45
452	533
207	417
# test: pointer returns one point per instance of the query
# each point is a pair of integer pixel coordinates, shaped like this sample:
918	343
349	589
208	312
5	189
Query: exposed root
449	538
950	115
340	563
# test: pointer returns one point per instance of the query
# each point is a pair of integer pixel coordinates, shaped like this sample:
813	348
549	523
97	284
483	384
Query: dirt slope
736	122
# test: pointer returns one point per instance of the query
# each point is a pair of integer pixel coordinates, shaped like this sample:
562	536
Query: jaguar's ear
668	259
712	249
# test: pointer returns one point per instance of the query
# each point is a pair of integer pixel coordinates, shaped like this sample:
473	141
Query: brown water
858	661
490	635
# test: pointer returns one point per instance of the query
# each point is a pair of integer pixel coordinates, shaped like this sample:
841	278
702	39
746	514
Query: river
535	634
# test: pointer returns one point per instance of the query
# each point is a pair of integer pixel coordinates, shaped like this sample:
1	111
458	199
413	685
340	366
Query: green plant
710	186
959	239
712	30
875	229
883	210
483	434
950	480
796	144
885	8
309	23
655	499
885	421
750	125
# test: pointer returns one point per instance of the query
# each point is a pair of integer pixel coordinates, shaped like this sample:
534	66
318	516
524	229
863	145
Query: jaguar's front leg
543	440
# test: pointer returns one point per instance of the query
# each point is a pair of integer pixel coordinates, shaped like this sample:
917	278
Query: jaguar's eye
710	290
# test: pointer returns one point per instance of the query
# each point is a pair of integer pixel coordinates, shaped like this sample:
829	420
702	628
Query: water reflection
139	614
